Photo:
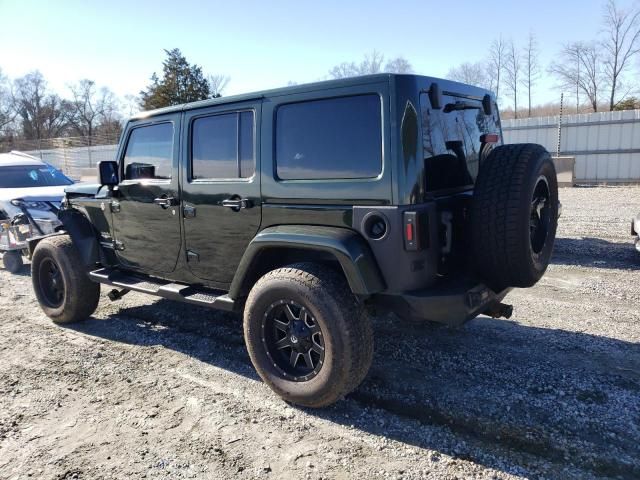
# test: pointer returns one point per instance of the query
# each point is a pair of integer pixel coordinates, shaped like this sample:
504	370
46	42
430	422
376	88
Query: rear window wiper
451	107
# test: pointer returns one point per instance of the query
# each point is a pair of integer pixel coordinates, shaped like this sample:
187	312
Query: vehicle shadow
543	398
25	271
596	253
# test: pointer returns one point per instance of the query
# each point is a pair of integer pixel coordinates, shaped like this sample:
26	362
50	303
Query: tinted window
329	139
31	176
451	142
222	146
149	153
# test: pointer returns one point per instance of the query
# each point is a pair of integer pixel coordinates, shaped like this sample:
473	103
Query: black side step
163	288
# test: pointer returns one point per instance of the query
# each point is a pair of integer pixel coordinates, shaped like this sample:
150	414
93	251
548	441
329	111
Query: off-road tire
12	261
346	329
80	295
501	243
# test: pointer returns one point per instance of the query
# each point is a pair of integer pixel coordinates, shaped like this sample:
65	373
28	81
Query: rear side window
222	146
337	138
149	153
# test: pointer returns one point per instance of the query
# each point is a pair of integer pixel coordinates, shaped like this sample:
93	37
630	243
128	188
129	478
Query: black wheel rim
51	283
293	340
540	217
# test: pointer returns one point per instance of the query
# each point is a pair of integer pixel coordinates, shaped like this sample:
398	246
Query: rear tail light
489	138
415	227
409	232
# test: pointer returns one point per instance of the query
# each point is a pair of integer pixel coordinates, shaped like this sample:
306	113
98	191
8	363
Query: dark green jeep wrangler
306	207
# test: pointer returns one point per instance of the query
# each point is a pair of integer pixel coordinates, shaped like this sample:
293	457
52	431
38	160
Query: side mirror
108	173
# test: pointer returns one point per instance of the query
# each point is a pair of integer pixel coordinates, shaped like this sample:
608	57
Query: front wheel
60	282
307	336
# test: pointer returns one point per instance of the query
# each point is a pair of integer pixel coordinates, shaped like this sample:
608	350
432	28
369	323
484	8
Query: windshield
26	176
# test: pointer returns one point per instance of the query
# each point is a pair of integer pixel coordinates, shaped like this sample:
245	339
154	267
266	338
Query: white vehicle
30	195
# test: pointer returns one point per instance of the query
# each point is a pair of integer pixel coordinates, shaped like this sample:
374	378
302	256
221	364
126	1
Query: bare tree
531	66
84	116
42	114
7	104
470	73
568	69
111	114
344	70
592	79
580	67
90	108
217	84
513	70
622	44
497	54
398	65
372	63
130	105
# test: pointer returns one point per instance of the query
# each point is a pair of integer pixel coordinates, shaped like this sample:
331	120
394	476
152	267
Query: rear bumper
451	304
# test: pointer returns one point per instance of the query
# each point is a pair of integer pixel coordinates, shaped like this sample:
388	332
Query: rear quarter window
336	138
222	146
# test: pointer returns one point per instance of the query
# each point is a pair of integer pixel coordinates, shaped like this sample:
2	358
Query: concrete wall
606	145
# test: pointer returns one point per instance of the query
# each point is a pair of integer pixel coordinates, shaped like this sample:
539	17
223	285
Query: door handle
165	202
237	204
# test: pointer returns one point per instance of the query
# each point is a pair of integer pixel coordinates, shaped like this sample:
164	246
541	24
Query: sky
266	44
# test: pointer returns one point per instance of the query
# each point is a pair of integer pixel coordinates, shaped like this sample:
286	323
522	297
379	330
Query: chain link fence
77	157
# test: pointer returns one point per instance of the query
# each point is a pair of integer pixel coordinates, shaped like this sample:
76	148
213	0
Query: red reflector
489	138
410	232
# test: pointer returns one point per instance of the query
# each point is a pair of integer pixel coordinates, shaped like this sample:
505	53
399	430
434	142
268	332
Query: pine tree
180	83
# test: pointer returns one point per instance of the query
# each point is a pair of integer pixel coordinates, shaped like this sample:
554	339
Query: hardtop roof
309	87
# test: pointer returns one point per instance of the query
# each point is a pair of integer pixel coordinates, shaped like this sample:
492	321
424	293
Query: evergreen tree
180	83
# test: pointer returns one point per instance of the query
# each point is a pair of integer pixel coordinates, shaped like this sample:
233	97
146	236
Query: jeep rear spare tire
514	214
307	335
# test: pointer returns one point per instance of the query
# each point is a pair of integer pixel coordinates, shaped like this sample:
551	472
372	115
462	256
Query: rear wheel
12	261
60	282
307	336
514	215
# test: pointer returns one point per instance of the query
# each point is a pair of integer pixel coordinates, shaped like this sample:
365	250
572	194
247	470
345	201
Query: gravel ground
153	389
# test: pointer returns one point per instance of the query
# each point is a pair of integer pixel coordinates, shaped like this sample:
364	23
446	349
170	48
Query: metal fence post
560	125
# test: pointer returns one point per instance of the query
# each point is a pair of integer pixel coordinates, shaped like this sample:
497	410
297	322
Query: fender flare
350	250
82	234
